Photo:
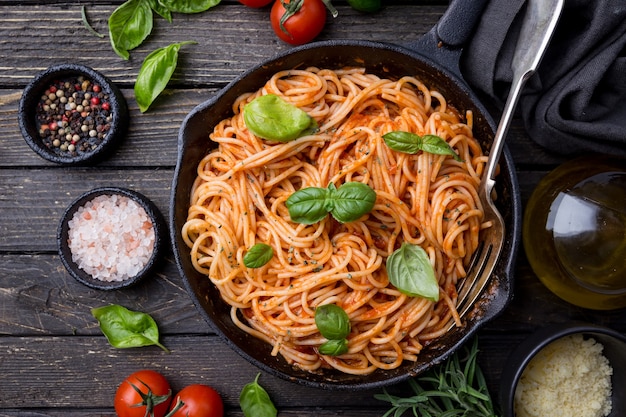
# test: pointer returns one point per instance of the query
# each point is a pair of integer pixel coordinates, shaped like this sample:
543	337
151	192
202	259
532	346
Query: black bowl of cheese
576	368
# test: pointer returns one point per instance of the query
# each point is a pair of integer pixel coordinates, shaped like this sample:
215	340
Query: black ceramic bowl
614	350
160	237
106	117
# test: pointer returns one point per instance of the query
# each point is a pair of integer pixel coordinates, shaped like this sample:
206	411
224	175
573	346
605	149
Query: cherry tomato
255	3
197	401
143	393
303	26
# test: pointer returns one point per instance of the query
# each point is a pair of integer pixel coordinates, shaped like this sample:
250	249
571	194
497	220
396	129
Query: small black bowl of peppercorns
72	115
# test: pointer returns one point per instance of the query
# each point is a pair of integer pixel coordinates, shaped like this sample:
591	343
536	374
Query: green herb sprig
456	388
346	204
131	23
412	143
334	324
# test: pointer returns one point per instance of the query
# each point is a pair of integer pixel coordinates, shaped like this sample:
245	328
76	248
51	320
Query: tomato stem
331	8
179	404
149	399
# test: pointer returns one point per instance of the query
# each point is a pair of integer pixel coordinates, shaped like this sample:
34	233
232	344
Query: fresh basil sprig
271	117
131	23
255	401
410	271
129	26
346	204
124	328
412	143
334	324
258	255
155	73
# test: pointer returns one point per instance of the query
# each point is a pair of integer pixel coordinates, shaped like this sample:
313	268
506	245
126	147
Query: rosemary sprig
456	388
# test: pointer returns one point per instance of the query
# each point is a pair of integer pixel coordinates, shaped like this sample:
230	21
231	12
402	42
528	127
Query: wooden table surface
54	360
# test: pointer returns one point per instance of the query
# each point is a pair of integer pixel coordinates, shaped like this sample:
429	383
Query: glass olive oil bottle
574	232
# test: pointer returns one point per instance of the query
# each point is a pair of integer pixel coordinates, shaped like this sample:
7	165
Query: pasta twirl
238	200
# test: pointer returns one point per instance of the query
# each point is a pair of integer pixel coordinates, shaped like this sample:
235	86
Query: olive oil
574	232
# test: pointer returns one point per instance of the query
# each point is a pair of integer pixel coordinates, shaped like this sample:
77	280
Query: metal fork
539	22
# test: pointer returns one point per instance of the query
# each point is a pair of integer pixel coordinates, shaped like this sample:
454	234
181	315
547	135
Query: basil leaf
309	205
161	10
272	118
129	25
405	142
258	255
124	328
352	200
332	321
334	347
155	73
412	143
346	204
410	271
435	144
255	401
189	6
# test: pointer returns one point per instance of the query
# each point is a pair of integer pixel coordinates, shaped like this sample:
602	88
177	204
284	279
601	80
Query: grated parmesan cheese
569	377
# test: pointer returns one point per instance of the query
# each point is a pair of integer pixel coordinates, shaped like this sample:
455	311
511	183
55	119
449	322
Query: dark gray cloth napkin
576	102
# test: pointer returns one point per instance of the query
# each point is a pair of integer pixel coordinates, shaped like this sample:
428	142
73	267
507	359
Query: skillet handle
445	41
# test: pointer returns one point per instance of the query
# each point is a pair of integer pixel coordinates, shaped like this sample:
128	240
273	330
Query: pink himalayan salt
111	237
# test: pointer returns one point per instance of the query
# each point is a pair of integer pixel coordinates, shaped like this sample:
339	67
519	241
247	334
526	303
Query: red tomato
303	26
255	3
143	393
197	401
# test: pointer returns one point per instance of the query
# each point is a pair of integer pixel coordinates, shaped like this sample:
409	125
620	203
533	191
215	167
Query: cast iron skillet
434	59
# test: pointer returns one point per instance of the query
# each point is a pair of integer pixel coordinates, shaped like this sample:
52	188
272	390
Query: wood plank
220	55
38	297
33	201
152	139
88	370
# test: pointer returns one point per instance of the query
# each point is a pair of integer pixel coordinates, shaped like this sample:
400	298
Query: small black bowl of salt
110	238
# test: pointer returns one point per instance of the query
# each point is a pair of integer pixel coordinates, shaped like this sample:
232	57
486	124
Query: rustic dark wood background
54	361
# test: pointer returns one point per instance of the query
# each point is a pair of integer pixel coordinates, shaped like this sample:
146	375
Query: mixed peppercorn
73	116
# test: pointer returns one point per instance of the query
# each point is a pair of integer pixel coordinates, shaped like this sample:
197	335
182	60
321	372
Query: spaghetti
238	200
